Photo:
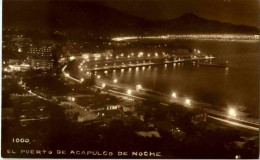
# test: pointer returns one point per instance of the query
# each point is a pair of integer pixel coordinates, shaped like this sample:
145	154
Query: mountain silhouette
82	16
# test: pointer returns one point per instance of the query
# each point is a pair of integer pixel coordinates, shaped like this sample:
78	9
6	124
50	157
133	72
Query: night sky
245	12
234	11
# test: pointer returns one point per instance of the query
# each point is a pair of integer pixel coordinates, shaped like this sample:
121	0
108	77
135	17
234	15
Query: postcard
123	79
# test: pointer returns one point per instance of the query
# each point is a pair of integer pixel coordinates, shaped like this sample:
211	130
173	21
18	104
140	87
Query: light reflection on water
236	85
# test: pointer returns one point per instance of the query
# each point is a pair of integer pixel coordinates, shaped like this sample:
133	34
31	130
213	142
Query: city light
115	81
105	72
187	101
82	79
85	56
232	112
72	58
129	91
138	87
98	76
174	95
103	85
218	37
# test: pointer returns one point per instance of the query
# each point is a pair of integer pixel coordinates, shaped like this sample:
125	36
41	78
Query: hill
85	17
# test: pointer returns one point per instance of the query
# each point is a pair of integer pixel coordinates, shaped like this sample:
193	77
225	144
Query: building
38	52
42	64
13	61
17	67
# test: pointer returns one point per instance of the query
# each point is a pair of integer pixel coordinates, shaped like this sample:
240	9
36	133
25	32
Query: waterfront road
123	91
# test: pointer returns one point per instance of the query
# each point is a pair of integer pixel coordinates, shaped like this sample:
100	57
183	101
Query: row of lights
231	112
140	54
187	100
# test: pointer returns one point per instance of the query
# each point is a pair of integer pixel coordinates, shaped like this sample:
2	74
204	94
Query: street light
115	81
103	85
174	95
232	112
72	58
187	101
82	79
138	87
129	91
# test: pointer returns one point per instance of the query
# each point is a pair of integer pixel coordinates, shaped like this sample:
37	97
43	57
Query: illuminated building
41	64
